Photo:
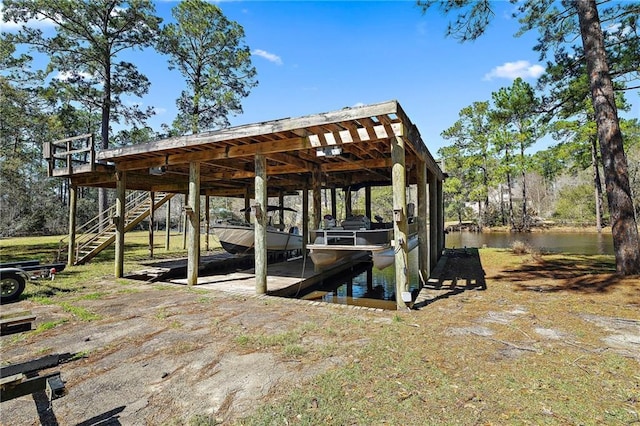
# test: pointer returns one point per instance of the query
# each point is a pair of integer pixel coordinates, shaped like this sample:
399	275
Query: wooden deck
283	278
457	270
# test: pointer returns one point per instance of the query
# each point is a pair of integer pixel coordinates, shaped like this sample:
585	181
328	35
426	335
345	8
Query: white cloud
513	70
11	26
271	57
65	75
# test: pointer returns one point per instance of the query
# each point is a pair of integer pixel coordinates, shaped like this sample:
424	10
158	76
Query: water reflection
364	286
546	242
367	286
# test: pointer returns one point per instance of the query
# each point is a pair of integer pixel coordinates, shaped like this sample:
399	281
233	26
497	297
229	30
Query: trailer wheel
12	286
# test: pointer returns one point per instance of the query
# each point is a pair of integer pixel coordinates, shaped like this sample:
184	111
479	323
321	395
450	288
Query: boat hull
332	246
384	258
326	257
240	239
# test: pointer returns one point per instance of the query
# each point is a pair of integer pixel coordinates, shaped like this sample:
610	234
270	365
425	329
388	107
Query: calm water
368	286
555	242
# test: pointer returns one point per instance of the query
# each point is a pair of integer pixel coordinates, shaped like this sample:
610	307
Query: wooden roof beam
253	130
283	145
291	160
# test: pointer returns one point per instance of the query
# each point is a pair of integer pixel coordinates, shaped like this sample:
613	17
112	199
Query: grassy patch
43	351
49	325
161	313
527	350
80	313
294	350
278	339
182	347
242	340
289	342
92	296
446	371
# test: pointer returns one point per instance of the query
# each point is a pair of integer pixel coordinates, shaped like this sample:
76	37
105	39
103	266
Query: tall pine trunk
626	243
103	200
597	183
525	217
504	222
512	220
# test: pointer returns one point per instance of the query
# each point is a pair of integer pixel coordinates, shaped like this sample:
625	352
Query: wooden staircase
96	235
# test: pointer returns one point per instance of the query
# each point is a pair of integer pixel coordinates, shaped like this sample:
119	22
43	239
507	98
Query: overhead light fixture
157	171
331	151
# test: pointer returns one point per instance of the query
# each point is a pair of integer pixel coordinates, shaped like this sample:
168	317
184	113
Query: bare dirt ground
159	353
164	354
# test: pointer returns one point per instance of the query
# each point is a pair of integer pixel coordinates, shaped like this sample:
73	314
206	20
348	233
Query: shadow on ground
458	270
575	273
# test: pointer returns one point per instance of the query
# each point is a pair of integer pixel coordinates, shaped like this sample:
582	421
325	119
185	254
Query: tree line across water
494	179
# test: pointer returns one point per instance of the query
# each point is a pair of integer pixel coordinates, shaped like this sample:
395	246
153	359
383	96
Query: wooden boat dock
235	274
348	149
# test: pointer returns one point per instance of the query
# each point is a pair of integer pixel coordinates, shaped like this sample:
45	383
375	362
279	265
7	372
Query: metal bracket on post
257	210
397	215
55	388
407	298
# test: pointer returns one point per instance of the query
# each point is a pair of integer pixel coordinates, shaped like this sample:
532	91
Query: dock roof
347	147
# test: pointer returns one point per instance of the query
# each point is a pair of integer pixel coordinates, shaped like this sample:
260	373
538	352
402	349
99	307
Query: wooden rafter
290	146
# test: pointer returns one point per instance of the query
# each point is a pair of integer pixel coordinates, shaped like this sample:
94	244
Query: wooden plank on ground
41	363
16	324
24	387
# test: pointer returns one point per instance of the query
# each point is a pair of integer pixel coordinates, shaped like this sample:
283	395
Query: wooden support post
152	211
73	214
334	203
167	236
281	205
440	216
433	220
424	262
247	206
347	202
305	219
121	189
192	211
316	186
399	179
207	224
367	202
260	227
185	219
69	158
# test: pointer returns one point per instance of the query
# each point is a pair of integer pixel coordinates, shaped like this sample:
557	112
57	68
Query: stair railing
102	225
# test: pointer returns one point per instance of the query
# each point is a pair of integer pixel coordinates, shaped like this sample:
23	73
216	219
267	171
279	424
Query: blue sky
320	56
314	57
